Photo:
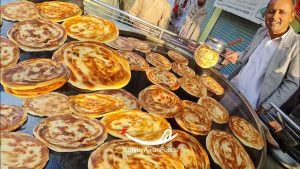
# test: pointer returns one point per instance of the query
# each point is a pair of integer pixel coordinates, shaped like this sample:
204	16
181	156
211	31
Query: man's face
201	2
278	16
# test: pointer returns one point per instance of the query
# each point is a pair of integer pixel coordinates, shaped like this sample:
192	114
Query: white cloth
249	80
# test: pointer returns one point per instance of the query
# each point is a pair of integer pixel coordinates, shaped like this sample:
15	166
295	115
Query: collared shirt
249	80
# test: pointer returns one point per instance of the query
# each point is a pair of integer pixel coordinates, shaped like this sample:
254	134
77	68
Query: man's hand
260	109
232	57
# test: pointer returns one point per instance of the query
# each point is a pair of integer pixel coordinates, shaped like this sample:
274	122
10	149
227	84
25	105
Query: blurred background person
157	12
192	23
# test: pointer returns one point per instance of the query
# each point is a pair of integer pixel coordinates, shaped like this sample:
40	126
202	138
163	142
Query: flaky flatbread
20	150
57	11
163	78
158	60
227	151
131	102
95	105
177	57
10	53
158	100
218	113
50	104
212	85
193	86
138	124
206	58
37	35
188	150
136	61
19	11
245	132
93	66
194	119
183	70
91	28
12	117
120	43
70	133
139	45
127	154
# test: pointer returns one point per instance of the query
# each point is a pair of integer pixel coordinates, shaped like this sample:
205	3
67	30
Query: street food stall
86	82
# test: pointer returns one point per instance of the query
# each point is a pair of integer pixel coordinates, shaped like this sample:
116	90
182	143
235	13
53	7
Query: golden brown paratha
194	119
19	11
163	78
70	133
183	70
93	66
136	61
131	102
37	35
158	60
127	154
139	45
158	100
246	132
177	57
10	53
57	11
12	117
188	150
50	104
206	58
212	85
138	124
20	150
193	85
227	151
91	28
120	43
218	113
95	105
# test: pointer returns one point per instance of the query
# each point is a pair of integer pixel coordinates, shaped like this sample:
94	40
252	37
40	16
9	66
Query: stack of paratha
34	77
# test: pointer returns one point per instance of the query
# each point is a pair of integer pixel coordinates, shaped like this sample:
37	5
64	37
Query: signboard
252	10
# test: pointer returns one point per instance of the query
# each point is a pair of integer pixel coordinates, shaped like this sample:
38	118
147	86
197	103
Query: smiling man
270	69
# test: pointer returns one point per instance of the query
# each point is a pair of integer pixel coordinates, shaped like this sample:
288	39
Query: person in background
193	21
270	69
176	10
157	12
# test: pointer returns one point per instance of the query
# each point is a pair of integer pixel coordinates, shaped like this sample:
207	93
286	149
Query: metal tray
231	100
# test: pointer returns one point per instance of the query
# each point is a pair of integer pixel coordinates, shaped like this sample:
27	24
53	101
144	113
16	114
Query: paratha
12	117
188	150
245	132
136	61
120	43
91	28
131	102
163	78
212	85
50	104
227	151
34	73
138	124
218	113
127	154
177	57
158	60
95	105
194	119
19	11
93	66
160	101
70	133
10	53
37	35
57	11
206	58
139	45
193	85
20	150
183	70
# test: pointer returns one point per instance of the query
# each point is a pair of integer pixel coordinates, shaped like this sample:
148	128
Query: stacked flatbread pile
94	66
34	77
